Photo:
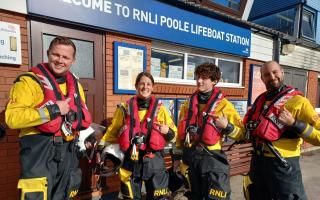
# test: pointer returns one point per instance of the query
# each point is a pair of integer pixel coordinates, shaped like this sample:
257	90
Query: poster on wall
241	106
190	70
180	101
10	43
155	67
129	61
175	71
170	105
256	86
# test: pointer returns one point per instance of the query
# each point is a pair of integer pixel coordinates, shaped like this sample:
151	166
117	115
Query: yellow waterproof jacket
118	121
21	112
224	107
302	110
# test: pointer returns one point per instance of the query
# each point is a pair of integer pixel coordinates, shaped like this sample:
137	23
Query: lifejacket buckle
138	140
67	128
252	125
193	130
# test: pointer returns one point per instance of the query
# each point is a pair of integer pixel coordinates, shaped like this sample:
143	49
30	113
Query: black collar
61	79
271	94
203	97
143	103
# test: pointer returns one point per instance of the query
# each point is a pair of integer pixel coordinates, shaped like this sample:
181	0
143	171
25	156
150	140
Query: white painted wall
261	47
303	58
19	6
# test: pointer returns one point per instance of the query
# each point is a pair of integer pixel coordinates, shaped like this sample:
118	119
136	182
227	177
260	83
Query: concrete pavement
310	167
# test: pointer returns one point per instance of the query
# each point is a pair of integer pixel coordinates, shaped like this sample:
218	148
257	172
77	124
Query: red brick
3	152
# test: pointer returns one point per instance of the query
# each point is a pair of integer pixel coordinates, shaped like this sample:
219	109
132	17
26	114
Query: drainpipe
276	48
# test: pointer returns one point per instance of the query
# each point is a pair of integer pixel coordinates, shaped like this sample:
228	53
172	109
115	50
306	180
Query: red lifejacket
209	134
263	119
52	93
146	129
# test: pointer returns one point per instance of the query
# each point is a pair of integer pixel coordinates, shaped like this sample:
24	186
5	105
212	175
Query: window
308	24
83	66
193	61
229	71
282	21
233	4
167	64
176	65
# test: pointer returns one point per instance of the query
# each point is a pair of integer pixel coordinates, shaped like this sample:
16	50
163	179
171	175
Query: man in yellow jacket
204	120
278	122
142	126
47	105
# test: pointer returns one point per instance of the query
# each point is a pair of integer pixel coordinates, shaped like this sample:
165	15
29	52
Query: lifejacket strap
54	111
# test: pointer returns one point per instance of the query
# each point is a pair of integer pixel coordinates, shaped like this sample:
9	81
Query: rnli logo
73	193
160	192
218	193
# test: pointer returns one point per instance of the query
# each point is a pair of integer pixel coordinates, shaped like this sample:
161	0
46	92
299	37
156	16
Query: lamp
287	48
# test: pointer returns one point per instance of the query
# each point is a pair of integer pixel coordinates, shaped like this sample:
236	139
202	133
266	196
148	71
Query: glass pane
167	64
83	66
307	24
230	71
282	21
194	61
233	4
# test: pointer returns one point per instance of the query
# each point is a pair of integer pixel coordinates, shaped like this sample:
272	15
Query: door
296	78
89	67
89	60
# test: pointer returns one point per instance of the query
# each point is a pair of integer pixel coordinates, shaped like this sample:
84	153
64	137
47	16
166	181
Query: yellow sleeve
183	112
302	110
165	118
82	95
21	111
118	121
226	108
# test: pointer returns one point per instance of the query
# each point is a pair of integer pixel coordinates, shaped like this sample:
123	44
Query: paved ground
310	162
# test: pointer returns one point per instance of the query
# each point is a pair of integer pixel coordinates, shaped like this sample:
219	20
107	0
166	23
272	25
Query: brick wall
9	147
160	89
312	87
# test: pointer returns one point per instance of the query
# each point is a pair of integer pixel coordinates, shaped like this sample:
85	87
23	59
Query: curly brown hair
208	70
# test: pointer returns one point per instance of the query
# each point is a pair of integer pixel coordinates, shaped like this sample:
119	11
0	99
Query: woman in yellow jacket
142	127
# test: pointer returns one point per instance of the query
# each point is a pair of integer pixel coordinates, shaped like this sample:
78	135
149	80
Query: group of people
47	104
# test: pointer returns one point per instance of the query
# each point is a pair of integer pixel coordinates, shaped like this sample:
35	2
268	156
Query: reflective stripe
43	115
235	131
308	131
33	185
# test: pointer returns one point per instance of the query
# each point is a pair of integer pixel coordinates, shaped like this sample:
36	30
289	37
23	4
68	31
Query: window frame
314	20
228	10
197	52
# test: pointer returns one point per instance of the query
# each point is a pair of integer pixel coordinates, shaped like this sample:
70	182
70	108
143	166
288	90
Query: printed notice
10	43
130	64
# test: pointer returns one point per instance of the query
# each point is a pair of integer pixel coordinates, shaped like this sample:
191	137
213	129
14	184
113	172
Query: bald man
278	122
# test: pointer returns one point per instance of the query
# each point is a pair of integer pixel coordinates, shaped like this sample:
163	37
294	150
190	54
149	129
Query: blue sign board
149	18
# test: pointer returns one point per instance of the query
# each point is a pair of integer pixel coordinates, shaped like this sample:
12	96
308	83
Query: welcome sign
149	18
